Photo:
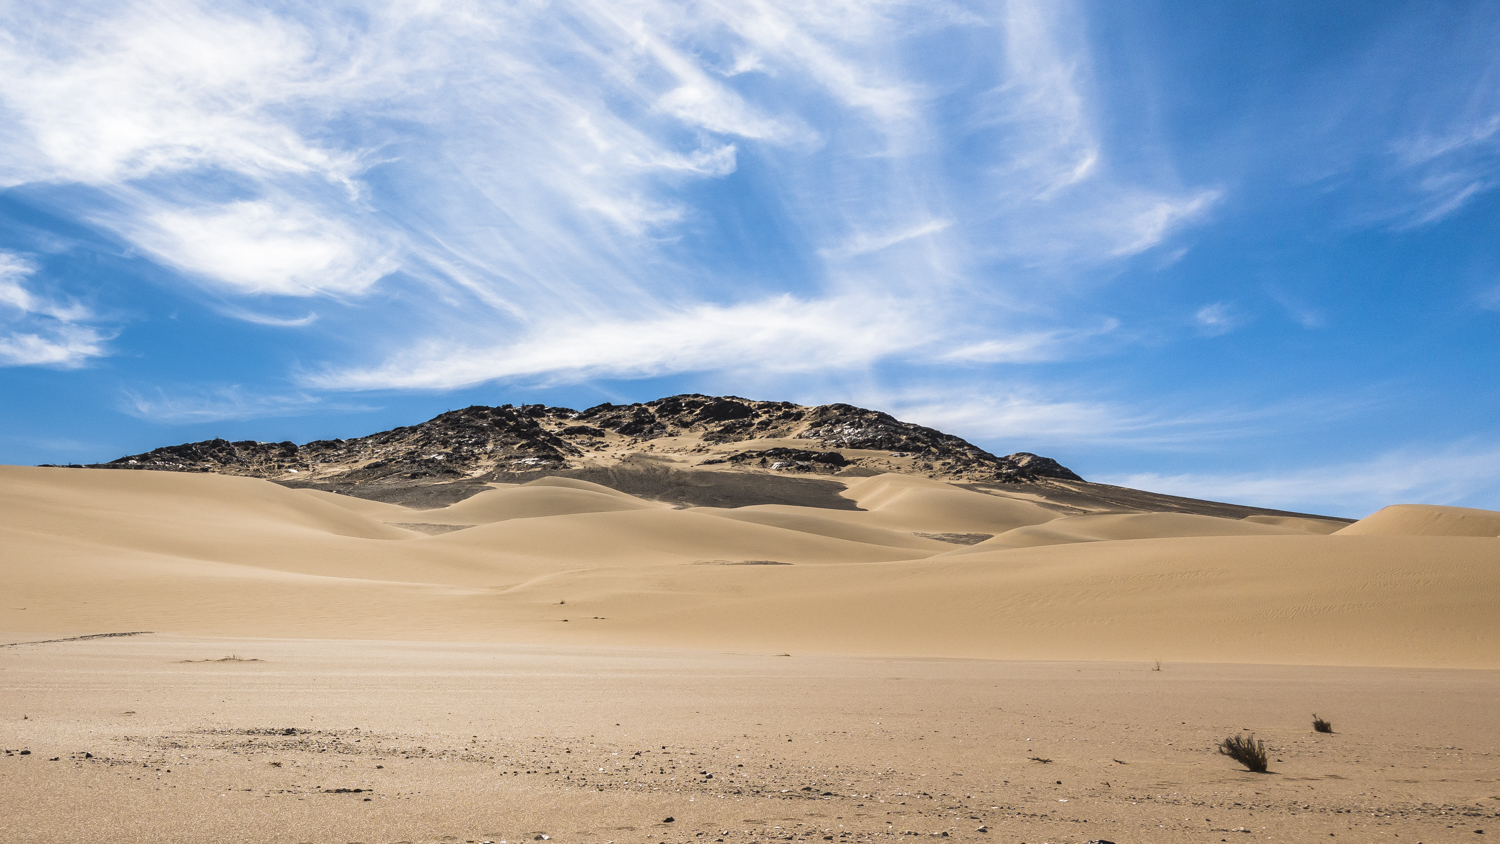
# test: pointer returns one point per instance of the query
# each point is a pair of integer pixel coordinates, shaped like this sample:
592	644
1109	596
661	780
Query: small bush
1246	751
1320	725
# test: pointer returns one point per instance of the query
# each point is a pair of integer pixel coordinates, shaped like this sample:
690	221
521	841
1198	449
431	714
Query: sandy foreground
560	659
153	738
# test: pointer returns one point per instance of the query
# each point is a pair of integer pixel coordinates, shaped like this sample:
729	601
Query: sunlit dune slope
529	502
1426	520
659	537
1115	526
1276	599
905	502
151	507
102	551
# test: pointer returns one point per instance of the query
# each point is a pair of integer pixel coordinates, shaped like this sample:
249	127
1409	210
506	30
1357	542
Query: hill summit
689	431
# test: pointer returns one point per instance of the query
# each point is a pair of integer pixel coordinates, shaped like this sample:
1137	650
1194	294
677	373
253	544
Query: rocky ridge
490	442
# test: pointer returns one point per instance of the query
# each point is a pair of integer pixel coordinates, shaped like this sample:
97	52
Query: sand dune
155	506
90	551
530	501
1117	526
1304	525
811	520
1426	520
905	502
662	537
377	510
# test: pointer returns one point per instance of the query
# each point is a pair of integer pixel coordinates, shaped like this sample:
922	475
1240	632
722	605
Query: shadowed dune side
810	520
1118	526
1426	520
377	510
529	502
1303	524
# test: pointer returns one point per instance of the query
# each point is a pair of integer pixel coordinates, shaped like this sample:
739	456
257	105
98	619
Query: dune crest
1426	520
565	562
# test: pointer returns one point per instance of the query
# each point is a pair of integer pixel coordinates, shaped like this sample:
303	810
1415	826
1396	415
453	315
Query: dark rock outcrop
487	442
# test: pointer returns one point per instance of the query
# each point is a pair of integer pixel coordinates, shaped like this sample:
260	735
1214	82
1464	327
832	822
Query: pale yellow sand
1104	527
1427	520
1323	526
99	551
155	739
611	663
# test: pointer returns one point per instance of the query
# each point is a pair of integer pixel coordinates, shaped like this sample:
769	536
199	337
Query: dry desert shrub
1320	725
1246	751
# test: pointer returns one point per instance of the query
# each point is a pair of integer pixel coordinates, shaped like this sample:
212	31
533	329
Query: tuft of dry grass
1247	751
1320	725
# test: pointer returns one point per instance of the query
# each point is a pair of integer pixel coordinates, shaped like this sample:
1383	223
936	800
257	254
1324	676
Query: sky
1244	251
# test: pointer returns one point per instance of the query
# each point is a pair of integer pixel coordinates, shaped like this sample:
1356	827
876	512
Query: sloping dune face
84	551
529	502
904	502
1426	520
1120	526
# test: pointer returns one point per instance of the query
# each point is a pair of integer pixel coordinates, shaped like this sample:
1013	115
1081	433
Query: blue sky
1241	251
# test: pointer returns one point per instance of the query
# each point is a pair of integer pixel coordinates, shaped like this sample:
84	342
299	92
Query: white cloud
219	403
1052	184
1029	346
37	330
473	171
1466	474
67	346
158	88
1144	221
864	243
263	248
1215	319
1450	168
1030	416
780	335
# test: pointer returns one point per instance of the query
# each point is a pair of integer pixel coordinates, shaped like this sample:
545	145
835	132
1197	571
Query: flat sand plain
152	738
560	659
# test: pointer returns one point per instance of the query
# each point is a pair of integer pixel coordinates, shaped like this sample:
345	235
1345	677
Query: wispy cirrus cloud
468	171
1216	318
39	330
1464	473
1453	167
1050	416
1029	346
783	335
214	404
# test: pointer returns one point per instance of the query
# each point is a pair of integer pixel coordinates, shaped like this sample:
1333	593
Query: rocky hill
727	433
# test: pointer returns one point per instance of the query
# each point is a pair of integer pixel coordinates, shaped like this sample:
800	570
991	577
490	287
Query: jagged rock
797	458
479	442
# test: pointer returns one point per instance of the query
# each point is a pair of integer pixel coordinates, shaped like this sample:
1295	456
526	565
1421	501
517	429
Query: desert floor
562	661
160	738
